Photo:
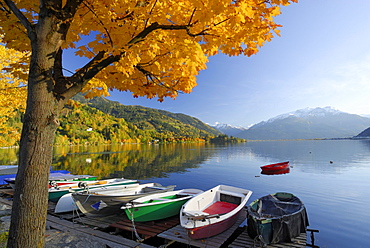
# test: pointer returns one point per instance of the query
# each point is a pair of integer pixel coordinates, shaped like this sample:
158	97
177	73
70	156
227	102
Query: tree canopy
12	92
151	48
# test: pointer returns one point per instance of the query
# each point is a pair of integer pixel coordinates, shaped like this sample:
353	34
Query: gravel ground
53	238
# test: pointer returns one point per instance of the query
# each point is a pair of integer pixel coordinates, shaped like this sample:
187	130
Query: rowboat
276	172
276	218
57	192
109	201
8	169
12	176
56	176
158	206
213	211
275	167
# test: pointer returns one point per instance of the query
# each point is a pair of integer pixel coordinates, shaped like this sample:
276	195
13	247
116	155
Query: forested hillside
148	118
100	121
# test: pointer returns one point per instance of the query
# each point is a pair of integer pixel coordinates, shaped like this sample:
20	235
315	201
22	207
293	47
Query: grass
3	239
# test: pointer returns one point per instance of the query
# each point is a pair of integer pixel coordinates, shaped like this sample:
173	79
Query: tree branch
151	78
69	10
58	64
21	18
97	17
98	63
82	76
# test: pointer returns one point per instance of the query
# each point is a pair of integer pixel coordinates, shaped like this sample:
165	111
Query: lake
331	177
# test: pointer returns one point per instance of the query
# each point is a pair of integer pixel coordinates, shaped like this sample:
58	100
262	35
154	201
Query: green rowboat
158	206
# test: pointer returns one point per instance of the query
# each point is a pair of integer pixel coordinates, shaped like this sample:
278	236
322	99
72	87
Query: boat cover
277	218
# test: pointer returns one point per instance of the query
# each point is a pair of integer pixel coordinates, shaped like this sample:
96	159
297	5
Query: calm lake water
332	177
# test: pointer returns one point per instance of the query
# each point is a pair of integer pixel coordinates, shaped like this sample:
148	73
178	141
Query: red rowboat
275	167
276	172
213	211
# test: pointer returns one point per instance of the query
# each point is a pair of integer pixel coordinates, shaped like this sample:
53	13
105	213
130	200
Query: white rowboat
213	211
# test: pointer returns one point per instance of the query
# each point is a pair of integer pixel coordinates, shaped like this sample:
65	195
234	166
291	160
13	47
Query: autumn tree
152	48
12	91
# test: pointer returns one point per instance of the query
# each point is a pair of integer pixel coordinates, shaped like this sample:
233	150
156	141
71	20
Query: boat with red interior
213	211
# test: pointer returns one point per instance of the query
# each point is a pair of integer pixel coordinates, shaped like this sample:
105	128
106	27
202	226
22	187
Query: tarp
277	218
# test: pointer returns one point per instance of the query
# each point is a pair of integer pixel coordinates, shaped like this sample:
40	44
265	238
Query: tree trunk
30	202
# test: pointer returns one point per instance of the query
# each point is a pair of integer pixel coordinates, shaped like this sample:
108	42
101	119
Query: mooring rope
139	239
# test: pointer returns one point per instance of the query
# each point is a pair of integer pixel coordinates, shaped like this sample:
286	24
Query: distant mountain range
308	123
228	129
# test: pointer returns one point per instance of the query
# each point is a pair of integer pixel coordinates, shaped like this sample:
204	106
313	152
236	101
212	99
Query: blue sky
321	59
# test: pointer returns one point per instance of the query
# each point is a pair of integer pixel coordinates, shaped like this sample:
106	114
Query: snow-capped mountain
228	129
308	123
308	112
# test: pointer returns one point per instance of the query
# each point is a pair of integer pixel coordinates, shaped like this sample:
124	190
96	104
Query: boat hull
61	175
158	206
8	169
276	172
213	211
65	204
275	167
56	193
276	218
213	229
110	202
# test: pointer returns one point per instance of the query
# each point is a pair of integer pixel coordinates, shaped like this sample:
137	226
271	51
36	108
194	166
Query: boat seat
231	193
195	213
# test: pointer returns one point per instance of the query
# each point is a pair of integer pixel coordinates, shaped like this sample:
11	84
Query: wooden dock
243	241
81	230
167	231
147	229
179	234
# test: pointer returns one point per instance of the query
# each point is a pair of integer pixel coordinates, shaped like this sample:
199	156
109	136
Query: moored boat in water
276	172
277	218
10	179
55	193
8	169
102	202
275	167
158	206
213	211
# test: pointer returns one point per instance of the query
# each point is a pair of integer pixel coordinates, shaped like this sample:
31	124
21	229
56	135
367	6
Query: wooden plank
9	192
243	241
179	234
101	221
148	228
144	233
110	240
6	202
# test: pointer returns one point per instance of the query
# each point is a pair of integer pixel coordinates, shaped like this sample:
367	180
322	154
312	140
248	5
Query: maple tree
152	48
12	92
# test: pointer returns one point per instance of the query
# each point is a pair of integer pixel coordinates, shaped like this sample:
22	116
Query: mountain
308	123
364	134
100	121
150	119
228	129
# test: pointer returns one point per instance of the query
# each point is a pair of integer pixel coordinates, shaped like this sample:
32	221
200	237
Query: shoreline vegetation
106	122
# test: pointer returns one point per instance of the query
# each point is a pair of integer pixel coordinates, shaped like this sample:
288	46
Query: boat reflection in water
277	172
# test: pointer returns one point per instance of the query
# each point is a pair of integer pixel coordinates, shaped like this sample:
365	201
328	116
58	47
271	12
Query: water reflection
315	156
156	161
8	156
131	161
